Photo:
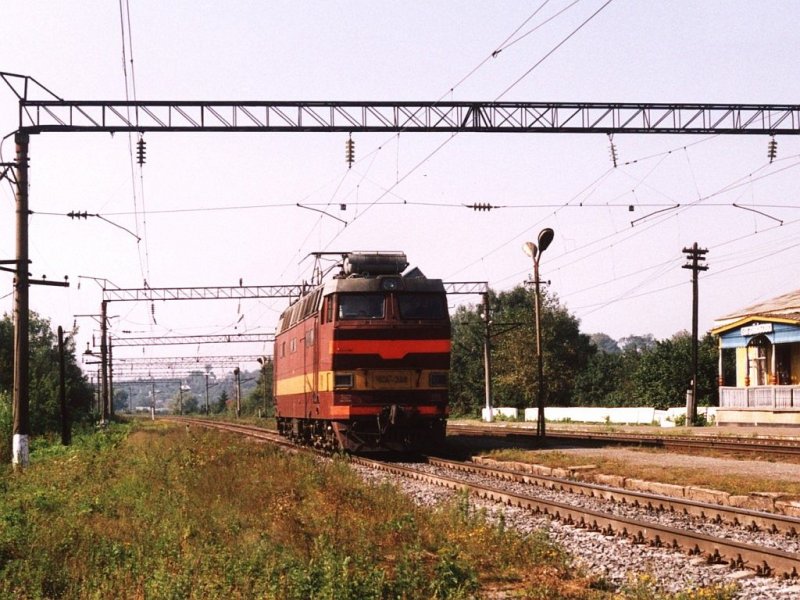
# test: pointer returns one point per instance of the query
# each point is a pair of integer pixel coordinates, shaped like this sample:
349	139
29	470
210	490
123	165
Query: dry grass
650	468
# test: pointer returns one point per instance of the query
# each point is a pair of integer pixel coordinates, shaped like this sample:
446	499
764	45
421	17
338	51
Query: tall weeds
6	426
164	512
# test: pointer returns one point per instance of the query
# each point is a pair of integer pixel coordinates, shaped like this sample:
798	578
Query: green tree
598	382
565	352
605	343
638	343
607	379
257	402
467	387
121	397
665	372
43	397
222	403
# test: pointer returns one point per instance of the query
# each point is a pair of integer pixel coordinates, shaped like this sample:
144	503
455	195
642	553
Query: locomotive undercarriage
391	430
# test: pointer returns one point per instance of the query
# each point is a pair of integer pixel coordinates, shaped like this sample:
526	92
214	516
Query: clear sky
212	209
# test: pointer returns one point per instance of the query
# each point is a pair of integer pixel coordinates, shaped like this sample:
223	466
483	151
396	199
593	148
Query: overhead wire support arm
203	293
466	287
38	116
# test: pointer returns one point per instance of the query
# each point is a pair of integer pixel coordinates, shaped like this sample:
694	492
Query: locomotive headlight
437	379
343	380
389	284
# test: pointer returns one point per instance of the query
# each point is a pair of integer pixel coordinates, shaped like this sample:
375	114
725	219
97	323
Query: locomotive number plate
391	380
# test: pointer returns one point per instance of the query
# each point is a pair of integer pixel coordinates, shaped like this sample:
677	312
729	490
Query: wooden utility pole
696	256
104	415
238	393
66	429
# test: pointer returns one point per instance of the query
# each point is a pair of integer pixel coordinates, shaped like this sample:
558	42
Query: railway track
764	446
761	559
491	484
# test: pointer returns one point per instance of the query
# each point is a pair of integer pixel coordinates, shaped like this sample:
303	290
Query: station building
763	341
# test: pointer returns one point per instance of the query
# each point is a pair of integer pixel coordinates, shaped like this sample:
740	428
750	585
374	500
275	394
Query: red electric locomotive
362	361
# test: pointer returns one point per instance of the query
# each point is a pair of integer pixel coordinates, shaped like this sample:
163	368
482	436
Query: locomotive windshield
361	306
421	306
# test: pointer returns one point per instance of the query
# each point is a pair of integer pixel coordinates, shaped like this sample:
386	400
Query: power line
553	50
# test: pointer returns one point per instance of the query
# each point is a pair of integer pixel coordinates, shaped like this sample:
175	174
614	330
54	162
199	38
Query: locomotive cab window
361	306
421	306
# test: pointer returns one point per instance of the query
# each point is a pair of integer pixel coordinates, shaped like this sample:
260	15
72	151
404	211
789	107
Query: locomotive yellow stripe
304	383
362	381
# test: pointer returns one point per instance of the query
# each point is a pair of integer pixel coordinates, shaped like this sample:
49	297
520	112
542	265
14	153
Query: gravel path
755	468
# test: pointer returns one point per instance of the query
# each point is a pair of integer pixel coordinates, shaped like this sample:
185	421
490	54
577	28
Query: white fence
637	415
760	396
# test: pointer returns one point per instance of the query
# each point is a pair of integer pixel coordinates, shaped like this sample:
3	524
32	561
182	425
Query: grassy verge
701	477
147	510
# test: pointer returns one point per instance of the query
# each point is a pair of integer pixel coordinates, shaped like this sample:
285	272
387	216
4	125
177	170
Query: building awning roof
787	303
749	321
777	319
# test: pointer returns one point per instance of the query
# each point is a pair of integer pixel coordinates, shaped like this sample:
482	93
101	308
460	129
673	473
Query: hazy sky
214	208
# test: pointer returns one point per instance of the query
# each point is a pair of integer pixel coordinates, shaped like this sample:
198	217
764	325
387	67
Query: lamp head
545	238
530	249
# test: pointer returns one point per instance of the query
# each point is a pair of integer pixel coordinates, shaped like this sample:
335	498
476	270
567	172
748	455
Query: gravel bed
678	521
613	558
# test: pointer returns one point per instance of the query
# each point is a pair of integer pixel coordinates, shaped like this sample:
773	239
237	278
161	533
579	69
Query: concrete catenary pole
487	358
21	427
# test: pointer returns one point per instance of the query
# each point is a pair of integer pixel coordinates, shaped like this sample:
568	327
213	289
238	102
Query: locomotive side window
421	306
361	306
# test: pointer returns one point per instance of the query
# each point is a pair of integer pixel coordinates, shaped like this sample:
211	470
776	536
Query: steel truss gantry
186	361
204	293
240	292
40	116
193	339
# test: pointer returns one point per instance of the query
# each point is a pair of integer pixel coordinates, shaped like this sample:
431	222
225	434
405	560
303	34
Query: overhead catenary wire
449	139
130	92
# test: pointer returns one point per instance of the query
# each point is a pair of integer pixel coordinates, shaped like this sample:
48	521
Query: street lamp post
535	252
